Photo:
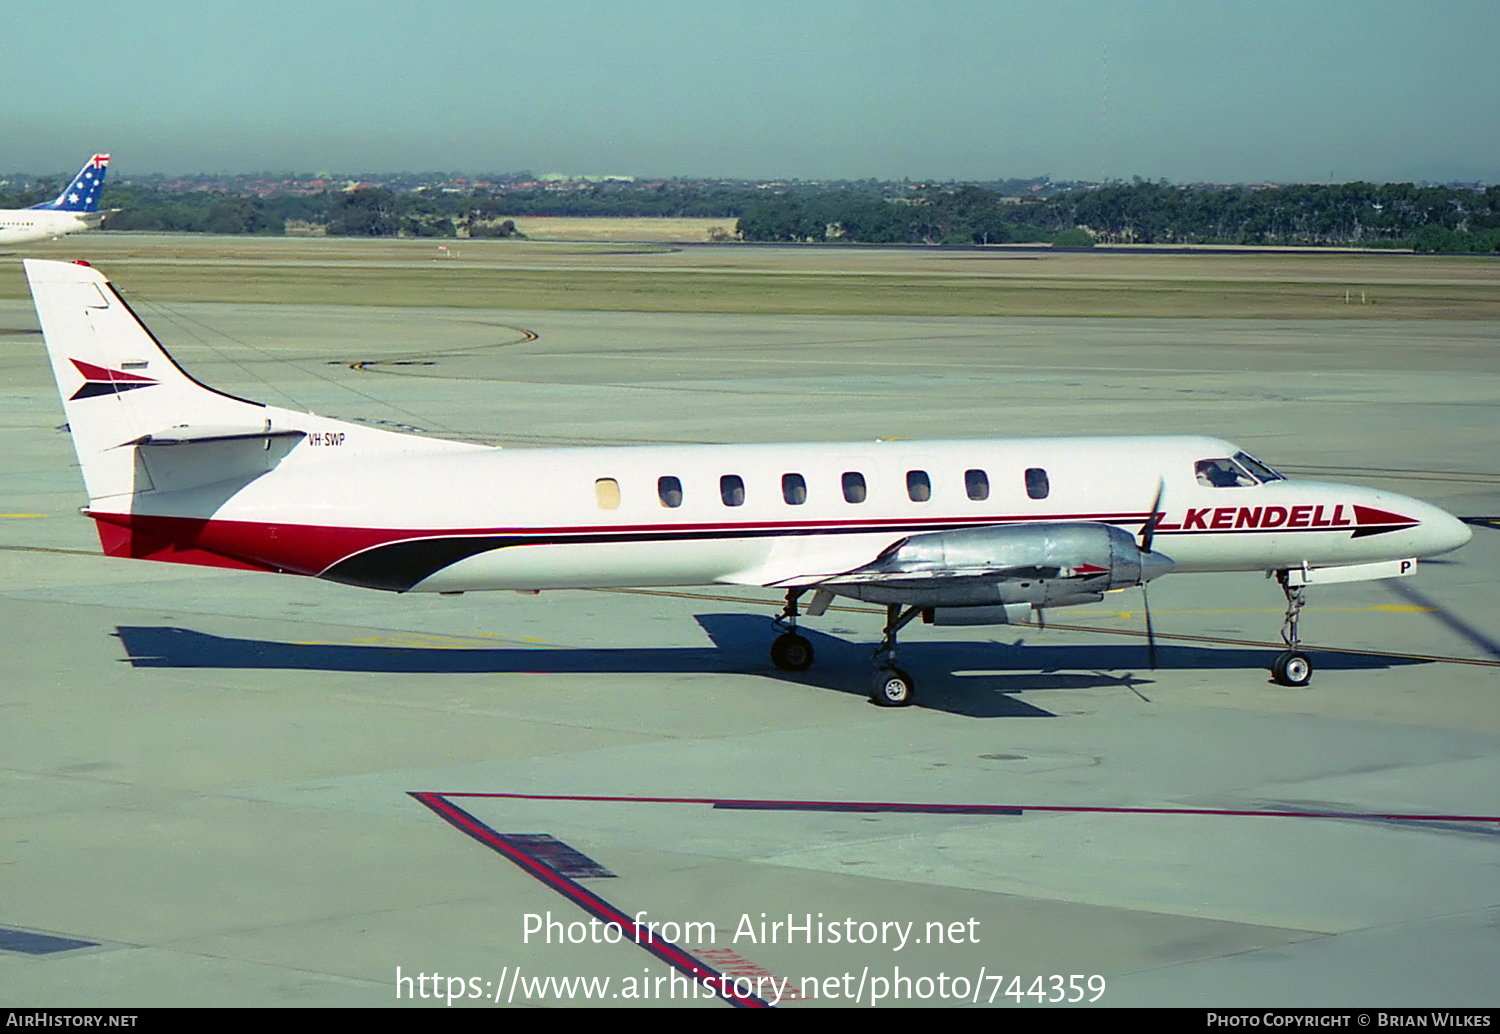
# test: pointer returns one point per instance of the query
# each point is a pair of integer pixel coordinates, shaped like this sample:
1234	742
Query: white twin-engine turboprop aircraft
956	532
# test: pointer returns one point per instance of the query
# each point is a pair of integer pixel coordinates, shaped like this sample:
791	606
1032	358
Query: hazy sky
1216	90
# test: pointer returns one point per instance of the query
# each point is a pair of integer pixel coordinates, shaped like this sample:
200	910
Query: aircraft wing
1050	563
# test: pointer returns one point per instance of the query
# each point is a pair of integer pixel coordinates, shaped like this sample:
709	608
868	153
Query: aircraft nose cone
1440	531
1450	533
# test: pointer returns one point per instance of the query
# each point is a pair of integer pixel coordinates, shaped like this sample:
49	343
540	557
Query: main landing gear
1291	667
892	687
792	652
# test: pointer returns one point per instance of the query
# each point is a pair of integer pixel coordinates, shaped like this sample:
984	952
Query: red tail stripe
99	373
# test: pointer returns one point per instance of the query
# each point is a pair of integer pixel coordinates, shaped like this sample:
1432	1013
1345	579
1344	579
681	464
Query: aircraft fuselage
760	514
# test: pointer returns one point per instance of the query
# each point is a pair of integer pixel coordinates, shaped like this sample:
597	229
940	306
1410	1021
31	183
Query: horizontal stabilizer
189	435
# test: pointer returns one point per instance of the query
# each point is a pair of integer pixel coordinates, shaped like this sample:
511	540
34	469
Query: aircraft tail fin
82	195
142	425
119	387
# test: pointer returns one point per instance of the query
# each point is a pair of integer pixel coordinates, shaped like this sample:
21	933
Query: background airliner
76	208
952	532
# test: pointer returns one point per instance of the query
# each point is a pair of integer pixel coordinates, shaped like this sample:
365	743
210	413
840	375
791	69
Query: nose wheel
1292	667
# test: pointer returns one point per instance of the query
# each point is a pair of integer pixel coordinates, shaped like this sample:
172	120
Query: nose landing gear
1292	667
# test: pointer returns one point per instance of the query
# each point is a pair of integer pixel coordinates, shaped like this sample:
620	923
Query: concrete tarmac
210	776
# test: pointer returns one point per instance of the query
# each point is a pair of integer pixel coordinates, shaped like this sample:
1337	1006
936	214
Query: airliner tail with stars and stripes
76	208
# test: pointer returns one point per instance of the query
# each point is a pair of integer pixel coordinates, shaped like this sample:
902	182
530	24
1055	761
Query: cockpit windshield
1242	471
1222	473
1261	472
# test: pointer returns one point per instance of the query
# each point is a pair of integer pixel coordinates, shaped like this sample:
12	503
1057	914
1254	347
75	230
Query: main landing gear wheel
893	688
791	652
1292	669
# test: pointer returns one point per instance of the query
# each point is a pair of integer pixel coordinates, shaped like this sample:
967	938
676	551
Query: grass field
662	230
523	275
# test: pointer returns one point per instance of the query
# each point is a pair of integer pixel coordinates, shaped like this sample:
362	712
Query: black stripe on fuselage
398	566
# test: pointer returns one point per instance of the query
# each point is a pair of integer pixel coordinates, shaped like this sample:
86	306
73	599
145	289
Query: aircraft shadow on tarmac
967	678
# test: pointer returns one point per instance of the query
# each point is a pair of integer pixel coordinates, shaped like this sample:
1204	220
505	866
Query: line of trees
1363	214
1427	218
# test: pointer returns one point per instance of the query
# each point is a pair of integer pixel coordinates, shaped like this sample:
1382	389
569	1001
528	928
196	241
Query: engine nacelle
1044	565
1005	614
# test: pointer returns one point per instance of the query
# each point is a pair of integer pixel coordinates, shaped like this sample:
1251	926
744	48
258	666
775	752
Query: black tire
792	652
1292	669
893	688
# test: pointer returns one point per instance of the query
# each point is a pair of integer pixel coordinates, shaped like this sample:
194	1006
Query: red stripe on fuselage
310	549
136	543
1300	517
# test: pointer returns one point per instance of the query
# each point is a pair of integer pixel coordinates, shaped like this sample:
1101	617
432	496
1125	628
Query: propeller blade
1150	629
1148	530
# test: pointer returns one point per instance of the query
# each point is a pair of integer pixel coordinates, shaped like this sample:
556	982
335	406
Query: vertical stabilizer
82	195
117	383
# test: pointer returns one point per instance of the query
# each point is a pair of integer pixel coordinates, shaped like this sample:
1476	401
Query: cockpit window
1256	467
1224	473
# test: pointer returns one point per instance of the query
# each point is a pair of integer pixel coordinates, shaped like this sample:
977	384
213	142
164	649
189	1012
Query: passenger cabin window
1222	473
794	489
732	490
1037	486
918	486
669	491
854	487
977	484
607	492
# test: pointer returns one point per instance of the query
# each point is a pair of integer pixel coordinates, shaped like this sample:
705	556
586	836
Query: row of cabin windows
794	488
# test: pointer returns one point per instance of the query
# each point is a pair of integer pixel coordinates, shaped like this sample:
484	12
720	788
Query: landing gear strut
1291	667
893	687
791	651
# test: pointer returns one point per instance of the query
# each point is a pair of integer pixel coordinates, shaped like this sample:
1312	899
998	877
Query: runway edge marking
525	858
523	854
929	808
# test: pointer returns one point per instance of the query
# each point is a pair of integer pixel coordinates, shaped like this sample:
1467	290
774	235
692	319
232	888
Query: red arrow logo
1371	521
98	380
